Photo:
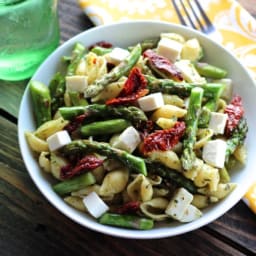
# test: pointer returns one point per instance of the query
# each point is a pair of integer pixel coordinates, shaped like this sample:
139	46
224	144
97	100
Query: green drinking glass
29	32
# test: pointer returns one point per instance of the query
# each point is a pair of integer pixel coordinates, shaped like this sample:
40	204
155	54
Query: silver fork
191	13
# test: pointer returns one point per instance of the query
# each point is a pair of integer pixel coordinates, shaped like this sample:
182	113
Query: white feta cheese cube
189	72
58	140
179	204
117	55
128	140
76	83
191	214
151	102
218	122
95	205
169	48
214	153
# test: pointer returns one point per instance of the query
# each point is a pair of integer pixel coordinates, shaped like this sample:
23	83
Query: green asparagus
172	175
74	184
182	89
57	89
118	71
101	50
41	102
131	113
135	163
77	99
210	71
191	119
77	54
104	127
150	43
211	105
237	138
126	221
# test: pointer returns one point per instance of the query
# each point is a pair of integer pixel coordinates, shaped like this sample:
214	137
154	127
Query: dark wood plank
10	96
72	19
238	226
31	226
9	147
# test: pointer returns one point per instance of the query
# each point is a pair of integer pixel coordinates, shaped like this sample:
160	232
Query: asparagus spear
77	99
104	127
149	43
210	71
237	138
101	50
41	101
74	184
131	113
57	89
194	109
172	175
126	221
77	54
135	163
211	104
182	89
120	70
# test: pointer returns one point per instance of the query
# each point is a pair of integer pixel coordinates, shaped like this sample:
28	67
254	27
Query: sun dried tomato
144	127
103	44
164	140
162	65
235	112
129	208
134	88
74	124
87	163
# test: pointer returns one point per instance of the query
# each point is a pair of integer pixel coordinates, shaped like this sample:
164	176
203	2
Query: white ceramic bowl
125	34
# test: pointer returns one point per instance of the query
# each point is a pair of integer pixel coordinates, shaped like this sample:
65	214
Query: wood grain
31	226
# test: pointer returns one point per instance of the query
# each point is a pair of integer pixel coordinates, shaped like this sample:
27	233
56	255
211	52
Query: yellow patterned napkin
235	26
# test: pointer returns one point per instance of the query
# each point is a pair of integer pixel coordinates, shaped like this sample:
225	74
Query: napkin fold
236	30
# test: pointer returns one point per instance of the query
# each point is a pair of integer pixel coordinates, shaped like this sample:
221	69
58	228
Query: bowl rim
93	225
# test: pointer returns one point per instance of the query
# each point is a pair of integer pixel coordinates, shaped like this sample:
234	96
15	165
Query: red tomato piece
161	64
87	163
134	88
235	112
164	140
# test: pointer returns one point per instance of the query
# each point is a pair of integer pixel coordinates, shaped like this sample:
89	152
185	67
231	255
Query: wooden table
29	225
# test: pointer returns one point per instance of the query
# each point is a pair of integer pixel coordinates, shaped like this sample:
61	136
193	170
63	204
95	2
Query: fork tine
187	13
182	21
195	14
192	10
208	22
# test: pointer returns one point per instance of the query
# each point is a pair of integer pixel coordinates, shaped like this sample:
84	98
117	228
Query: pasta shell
57	162
140	189
155	208
44	161
76	202
35	143
168	158
168	111
114	182
50	127
203	135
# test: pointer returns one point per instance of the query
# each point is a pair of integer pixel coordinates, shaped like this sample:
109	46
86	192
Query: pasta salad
139	135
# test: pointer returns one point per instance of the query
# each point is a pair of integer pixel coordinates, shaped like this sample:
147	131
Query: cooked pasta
178	165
